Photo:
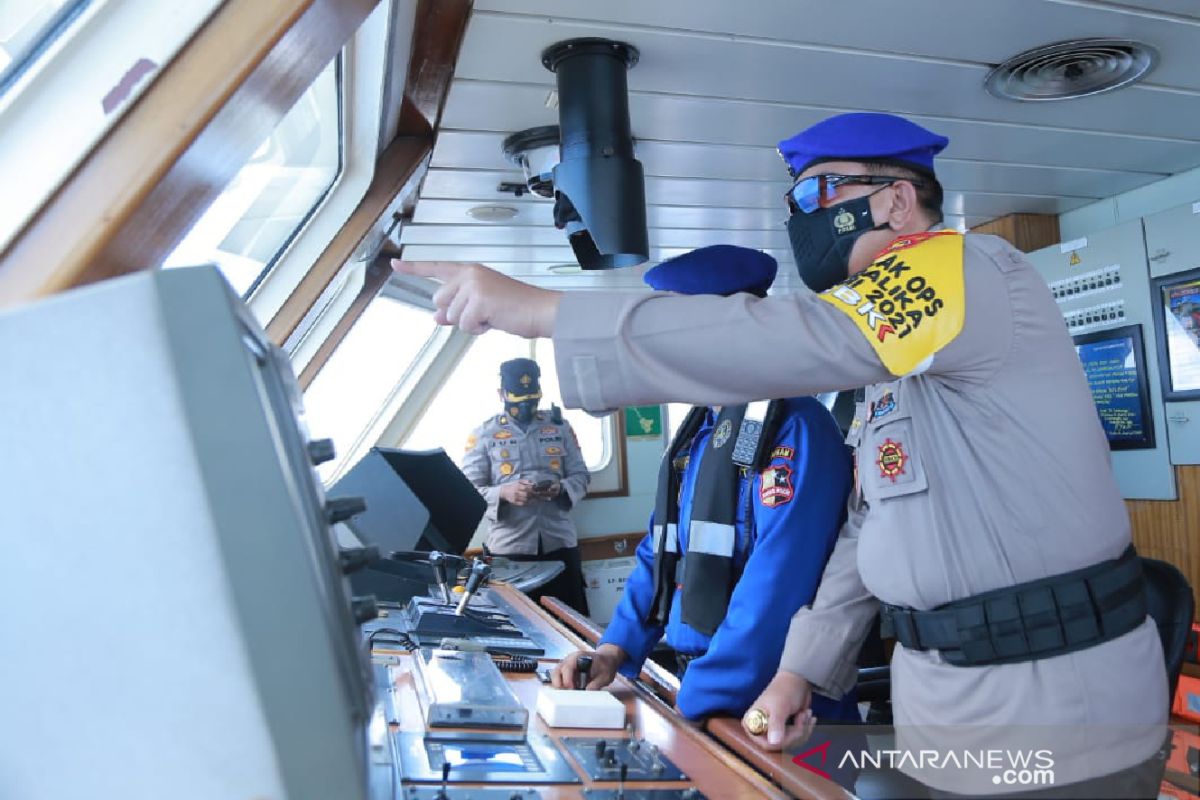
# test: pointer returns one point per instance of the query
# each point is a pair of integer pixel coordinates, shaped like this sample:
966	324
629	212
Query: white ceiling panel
955	33
506	108
718	66
548	236
703	190
498	254
720	83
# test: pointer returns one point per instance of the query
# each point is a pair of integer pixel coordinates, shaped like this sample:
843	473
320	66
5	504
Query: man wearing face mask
985	525
527	465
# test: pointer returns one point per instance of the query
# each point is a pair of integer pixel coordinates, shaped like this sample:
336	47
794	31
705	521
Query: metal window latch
1179	419
1160	255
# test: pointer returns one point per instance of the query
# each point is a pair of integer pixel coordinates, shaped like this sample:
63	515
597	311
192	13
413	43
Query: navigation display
1115	367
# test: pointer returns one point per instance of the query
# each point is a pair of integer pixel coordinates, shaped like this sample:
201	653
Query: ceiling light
1071	69
492	213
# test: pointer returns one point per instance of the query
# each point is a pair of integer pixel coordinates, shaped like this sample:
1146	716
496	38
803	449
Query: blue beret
520	376
863	137
716	269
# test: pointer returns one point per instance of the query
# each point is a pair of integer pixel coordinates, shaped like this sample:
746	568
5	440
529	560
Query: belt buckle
897	621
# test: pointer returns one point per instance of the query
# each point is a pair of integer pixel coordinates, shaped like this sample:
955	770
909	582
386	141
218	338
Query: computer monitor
1114	362
416	500
1176	304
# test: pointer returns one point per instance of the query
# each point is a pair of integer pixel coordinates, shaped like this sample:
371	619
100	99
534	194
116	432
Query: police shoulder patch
910	302
472	440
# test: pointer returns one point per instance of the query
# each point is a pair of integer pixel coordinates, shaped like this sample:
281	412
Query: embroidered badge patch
891	460
506	468
555	464
502	435
909	303
472	440
722	434
554	451
776	488
549	430
783	452
885	405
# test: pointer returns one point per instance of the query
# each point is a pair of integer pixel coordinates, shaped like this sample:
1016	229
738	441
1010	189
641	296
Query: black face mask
821	241
523	411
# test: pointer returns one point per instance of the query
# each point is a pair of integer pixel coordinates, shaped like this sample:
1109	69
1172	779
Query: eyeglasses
807	194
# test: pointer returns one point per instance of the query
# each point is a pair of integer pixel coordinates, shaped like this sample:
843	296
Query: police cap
519	377
718	269
883	138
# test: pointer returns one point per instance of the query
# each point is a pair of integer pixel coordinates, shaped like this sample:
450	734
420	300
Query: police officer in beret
737	540
527	465
985	525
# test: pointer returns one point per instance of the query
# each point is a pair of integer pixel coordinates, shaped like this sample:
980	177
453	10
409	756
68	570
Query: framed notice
1176	302
1115	364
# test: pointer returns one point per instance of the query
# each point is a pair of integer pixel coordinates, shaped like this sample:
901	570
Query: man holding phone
527	465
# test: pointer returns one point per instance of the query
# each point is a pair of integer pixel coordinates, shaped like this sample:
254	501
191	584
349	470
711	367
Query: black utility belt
1037	619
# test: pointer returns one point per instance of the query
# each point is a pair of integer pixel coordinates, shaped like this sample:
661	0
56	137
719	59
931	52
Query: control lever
583	671
480	572
352	559
621	784
437	560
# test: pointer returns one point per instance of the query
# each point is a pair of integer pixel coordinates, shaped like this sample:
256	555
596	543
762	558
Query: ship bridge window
69	70
28	29
350	396
468	398
274	194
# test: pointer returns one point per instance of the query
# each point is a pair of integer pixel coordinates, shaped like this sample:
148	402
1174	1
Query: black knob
583	671
610	758
364	608
343	508
320	451
600	747
355	558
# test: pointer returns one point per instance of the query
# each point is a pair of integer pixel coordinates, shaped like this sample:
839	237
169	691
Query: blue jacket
797	505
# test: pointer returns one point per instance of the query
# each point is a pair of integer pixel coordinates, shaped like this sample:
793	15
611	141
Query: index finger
441	270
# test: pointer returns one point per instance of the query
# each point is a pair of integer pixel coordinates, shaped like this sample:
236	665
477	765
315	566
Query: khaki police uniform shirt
982	467
498	452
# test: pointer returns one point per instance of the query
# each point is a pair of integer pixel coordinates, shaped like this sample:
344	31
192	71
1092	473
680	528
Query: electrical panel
1101	283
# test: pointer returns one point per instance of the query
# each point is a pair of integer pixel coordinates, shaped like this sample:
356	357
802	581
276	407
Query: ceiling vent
1075	68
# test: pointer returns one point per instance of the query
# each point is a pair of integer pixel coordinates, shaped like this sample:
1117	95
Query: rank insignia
776	488
555	464
783	452
891	460
549	430
506	469
554	451
472	440
722	434
885	405
502	435
503	420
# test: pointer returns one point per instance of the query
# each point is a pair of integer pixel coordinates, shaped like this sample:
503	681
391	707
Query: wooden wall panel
1026	232
1170	530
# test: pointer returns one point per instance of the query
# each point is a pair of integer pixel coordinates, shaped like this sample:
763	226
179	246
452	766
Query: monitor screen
1116	372
1178	315
416	500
